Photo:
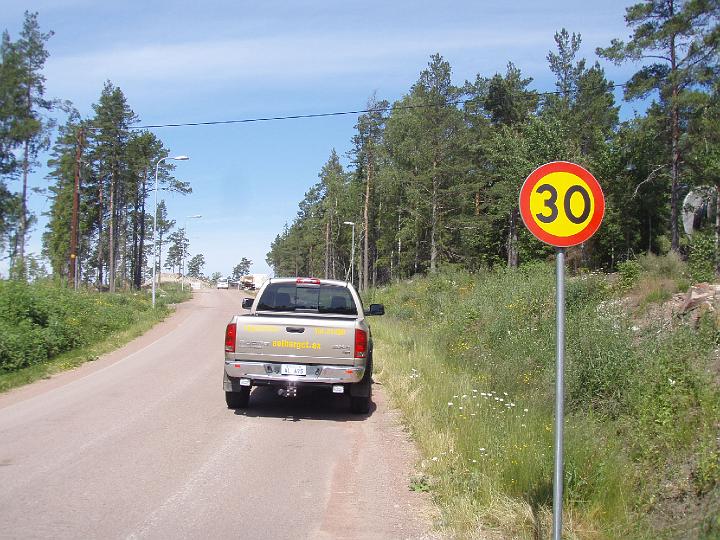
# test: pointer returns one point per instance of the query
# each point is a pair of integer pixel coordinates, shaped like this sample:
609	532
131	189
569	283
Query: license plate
292	369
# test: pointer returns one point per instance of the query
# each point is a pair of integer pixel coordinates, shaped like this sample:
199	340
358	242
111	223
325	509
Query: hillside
470	360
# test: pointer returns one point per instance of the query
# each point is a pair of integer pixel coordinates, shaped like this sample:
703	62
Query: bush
701	261
629	271
38	321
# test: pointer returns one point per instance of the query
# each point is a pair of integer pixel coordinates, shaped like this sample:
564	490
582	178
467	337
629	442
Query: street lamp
157	166
184	253
352	251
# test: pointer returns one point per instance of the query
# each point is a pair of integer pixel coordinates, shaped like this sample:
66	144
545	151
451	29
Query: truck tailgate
303	340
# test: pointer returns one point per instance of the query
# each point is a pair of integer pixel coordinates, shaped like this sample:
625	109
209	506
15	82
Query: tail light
230	333
360	344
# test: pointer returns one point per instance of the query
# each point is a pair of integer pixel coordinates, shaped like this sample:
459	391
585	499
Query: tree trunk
19	261
100	238
675	138
75	211
717	227
434	223
366	221
512	240
111	232
327	249
141	251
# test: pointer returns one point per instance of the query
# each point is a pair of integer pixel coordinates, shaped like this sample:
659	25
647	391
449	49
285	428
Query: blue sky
186	61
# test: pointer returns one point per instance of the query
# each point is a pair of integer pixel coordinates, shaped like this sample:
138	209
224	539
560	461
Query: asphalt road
140	444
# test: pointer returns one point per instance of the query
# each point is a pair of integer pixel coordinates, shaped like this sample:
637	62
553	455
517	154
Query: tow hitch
289	392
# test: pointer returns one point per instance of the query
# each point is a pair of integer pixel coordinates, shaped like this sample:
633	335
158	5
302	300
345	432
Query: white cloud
298	58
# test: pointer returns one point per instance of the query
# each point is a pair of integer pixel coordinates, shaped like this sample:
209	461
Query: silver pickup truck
301	332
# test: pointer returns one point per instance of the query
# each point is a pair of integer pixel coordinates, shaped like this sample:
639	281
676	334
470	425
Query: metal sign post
563	205
559	394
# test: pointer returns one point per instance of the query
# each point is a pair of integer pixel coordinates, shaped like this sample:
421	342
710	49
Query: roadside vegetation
46	327
470	358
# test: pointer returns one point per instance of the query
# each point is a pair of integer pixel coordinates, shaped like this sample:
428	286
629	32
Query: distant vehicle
222	284
253	282
301	332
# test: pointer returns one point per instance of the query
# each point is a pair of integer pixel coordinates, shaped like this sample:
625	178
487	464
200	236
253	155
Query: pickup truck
301	332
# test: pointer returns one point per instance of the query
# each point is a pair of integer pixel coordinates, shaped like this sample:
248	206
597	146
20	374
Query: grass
48	328
470	361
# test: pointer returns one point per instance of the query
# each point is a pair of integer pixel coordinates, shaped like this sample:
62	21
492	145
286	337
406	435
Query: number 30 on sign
562	204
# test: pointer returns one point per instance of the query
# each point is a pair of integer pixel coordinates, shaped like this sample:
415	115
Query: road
139	444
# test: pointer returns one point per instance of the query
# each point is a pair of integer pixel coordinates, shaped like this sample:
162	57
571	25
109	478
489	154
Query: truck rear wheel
359	404
238	400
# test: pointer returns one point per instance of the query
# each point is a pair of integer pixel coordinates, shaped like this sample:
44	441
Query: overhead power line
329	114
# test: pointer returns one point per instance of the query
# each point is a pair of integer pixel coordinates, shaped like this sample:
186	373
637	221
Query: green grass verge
47	328
470	361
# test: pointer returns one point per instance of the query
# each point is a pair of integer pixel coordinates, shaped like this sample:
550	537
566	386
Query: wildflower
464	396
461	408
482	449
450	403
525	410
435	458
672	382
474	460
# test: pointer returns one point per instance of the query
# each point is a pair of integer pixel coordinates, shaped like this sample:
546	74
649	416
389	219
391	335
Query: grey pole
559	396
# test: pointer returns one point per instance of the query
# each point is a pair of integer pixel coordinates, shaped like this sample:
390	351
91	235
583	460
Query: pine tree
681	39
26	58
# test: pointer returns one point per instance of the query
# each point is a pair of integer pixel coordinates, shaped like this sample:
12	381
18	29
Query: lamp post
157	166
182	280
352	251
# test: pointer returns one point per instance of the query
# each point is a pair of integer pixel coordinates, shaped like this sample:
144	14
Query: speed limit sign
562	204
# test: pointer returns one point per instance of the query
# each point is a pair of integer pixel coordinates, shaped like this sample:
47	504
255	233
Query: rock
700	294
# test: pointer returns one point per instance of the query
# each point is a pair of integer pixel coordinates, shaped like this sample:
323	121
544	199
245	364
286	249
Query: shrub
701	261
629	271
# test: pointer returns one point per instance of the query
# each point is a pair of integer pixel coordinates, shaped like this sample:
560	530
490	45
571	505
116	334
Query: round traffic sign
562	204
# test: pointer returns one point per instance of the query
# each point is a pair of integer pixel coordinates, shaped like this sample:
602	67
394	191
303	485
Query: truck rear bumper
269	373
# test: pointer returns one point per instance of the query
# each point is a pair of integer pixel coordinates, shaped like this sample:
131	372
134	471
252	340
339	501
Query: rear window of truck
326	299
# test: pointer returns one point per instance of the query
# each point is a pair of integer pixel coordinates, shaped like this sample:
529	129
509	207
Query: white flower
482	450
435	458
525	410
464	396
475	461
460	408
450	403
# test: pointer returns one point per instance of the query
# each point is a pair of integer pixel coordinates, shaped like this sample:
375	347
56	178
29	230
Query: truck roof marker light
230	334
311	280
361	343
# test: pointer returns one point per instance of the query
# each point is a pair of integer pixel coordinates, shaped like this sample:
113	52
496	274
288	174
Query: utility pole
75	209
